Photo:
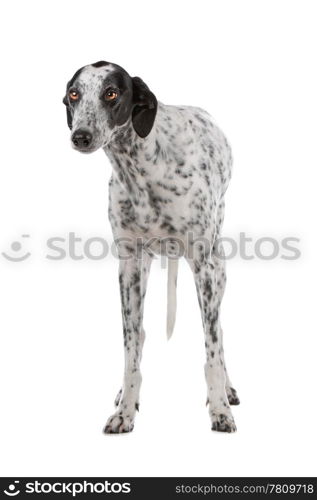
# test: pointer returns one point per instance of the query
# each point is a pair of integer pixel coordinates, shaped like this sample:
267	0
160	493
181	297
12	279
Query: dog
171	166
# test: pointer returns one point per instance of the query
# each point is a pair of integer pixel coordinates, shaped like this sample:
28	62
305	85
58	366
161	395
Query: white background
252	65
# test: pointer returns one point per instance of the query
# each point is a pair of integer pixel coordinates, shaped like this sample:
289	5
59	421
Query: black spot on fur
99	64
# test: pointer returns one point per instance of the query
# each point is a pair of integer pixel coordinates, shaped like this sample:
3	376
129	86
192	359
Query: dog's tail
171	296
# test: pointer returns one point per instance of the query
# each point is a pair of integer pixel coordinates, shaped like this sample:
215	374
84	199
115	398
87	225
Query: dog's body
171	168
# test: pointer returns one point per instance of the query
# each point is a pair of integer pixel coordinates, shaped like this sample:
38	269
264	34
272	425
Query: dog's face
101	98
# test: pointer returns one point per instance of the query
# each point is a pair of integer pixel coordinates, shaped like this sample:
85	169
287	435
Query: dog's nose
82	138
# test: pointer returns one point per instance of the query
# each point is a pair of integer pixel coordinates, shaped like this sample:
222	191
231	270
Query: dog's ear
65	100
68	113
144	109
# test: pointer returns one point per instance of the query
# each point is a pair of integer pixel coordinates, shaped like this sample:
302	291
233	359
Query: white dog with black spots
171	166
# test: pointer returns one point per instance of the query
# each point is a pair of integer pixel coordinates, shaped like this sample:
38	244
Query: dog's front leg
133	274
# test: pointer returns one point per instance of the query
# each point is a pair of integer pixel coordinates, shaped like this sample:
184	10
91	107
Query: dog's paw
232	396
222	423
118	398
118	424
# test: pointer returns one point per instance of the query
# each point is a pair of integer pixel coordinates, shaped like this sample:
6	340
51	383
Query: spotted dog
171	166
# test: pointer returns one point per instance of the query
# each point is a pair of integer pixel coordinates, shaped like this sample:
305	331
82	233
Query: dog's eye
110	95
73	95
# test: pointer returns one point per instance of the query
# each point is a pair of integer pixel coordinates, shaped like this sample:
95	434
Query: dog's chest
170	184
162	206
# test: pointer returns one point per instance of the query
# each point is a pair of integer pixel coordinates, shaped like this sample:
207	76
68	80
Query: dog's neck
131	158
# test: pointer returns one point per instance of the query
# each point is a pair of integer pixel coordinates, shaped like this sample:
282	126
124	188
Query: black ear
68	113
65	100
145	107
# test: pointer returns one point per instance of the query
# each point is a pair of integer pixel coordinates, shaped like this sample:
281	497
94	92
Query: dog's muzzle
81	139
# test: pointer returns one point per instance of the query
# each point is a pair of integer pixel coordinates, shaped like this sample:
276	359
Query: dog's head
101	98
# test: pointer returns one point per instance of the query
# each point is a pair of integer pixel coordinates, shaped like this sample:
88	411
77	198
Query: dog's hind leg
205	275
220	268
133	274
